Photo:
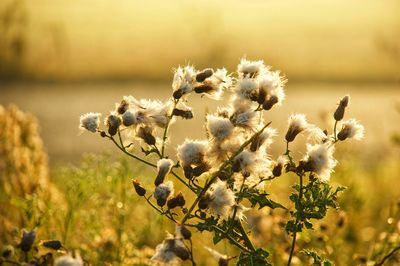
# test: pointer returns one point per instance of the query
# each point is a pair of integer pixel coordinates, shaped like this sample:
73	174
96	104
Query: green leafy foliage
318	261
255	197
255	258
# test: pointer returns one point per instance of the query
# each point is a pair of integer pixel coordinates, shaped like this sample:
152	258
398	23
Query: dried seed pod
268	104
262	95
203	88
185	114
176	201
339	113
203	202
141	191
186	234
188	171
277	170
203	75
113	122
27	240
52	244
103	134
145	133
181	252
122	107
200	169
161	202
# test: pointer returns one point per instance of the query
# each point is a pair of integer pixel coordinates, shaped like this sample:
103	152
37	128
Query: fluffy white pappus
319	159
240	212
220	128
221	199
253	163
164	190
351	129
246	88
266	138
192	152
90	122
220	151
164	166
218	83
184	78
273	84
165	252
247	68
282	160
242	113
316	135
129	118
296	123
68	260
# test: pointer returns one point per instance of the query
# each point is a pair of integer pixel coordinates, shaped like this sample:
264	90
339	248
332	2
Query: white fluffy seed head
164	190
220	128
129	118
184	77
297	123
221	199
273	84
351	129
247	68
164	252
246	88
192	152
90	122
316	135
320	159
164	166
68	260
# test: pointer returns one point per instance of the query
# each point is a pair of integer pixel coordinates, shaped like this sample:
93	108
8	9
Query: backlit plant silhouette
226	172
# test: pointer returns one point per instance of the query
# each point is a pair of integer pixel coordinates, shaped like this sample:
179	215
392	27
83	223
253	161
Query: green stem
390	254
297	221
233	241
166	129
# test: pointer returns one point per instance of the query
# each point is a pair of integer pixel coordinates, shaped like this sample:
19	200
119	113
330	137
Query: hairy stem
297	221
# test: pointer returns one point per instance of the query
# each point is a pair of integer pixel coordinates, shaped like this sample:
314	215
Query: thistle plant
228	172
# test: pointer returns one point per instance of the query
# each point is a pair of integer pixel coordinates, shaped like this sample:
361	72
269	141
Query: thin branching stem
334	131
297	221
388	256
166	129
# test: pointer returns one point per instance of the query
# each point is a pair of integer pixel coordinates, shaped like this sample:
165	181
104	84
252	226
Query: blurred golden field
60	59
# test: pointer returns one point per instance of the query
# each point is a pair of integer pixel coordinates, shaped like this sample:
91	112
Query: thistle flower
220	128
141	191
90	122
316	134
183	81
248	163
203	75
170	249
214	85
339	113
223	260
279	165
265	138
192	152
221	199
247	88
129	118
164	166
27	240
271	85
242	114
163	192
182	231
252	69
297	123
68	260
319	159
351	129
112	122
183	111
146	134
176	201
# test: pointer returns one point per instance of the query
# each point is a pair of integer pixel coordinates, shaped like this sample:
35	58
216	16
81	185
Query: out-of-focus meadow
59	59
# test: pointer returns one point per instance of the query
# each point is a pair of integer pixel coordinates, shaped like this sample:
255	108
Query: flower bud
203	202
103	134
163	192
27	240
122	107
52	244
113	122
277	171
145	133
181	252
262	95
176	201
223	262
188	171
203	75
339	113
297	123
200	169
268	104
185	114
203	88
141	191
164	166
186	234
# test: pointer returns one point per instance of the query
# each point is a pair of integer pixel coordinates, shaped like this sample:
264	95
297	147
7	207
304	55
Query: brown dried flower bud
223	262
277	170
262	95
176	201
181	252
141	191
339	113
53	244
145	133
203	202
185	114
268	104
203	75
27	239
113	122
200	169
103	134
186	234
203	88
7	251
122	107
188	171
